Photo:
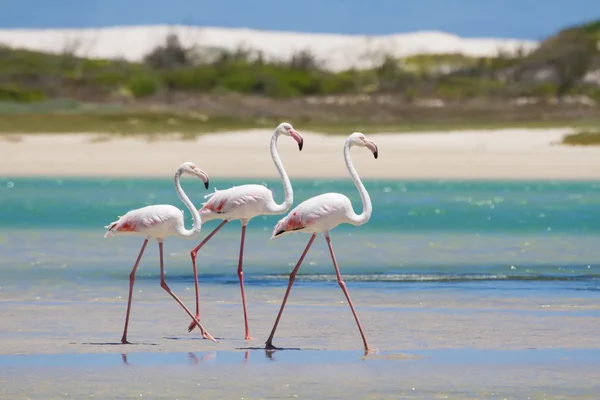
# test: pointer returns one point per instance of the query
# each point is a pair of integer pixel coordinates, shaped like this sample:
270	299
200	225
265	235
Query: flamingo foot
205	334
249	338
125	341
369	350
269	346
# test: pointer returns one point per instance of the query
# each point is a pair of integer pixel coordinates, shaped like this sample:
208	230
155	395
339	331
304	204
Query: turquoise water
423	235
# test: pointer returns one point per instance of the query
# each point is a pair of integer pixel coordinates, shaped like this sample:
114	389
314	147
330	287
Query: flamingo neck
358	219
197	225
288	199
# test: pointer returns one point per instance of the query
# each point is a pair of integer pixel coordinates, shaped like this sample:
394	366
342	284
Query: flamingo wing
226	201
310	212
142	218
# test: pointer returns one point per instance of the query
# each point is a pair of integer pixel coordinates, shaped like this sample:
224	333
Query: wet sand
437	346
500	154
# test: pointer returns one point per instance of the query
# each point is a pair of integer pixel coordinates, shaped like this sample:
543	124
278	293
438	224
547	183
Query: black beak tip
206	184
376	154
301	144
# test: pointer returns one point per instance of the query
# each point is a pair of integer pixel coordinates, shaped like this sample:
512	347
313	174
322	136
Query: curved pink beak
202	175
373	147
297	138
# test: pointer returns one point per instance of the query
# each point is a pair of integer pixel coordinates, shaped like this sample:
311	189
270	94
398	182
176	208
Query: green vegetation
194	90
27	76
425	63
192	124
583	138
570	55
36	76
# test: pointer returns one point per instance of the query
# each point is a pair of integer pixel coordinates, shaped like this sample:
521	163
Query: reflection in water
193	358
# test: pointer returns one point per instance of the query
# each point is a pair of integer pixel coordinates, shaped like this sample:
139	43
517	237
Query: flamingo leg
241	278
343	286
131	282
194	254
269	343
164	285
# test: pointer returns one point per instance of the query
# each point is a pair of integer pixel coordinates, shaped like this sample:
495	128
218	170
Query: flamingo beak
297	138
373	147
202	175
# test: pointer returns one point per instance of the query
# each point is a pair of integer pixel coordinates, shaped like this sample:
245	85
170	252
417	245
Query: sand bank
315	320
512	349
498	154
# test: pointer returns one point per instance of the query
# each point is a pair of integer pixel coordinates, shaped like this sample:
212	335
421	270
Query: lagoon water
488	266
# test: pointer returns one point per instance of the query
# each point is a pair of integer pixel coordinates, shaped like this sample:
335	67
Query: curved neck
364	195
197	226
288	199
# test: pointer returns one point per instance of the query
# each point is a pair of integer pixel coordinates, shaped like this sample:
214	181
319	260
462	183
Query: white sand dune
501	154
336	51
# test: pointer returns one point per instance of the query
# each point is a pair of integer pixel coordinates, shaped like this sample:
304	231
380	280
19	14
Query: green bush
457	87
143	86
202	78
12	93
583	138
342	82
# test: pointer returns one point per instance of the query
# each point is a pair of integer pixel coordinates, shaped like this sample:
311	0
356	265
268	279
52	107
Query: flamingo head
359	139
288	130
192	169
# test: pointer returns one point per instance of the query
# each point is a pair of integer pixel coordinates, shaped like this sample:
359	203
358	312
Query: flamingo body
320	214
244	203
156	221
160	221
238	202
317	214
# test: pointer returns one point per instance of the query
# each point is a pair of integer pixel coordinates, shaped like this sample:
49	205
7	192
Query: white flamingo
322	213
159	222
244	203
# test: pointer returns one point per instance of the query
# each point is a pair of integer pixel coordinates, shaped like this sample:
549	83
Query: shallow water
446	374
475	273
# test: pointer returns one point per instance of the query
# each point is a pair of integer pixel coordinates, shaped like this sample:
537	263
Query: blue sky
527	19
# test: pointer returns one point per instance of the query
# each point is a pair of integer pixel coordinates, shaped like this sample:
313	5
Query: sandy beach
497	154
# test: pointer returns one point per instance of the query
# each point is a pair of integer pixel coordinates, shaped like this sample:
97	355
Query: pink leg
164	285
131	281
343	286
194	254
269	344
241	278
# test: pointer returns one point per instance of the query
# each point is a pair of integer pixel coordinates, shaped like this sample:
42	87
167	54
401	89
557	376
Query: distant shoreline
506	154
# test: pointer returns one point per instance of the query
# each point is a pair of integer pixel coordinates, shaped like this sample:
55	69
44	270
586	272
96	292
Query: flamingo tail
208	196
111	226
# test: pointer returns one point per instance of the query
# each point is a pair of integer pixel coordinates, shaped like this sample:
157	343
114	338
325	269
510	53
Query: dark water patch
413	277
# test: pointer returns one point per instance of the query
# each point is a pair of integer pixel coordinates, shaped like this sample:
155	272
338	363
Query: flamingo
322	213
159	222
244	203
